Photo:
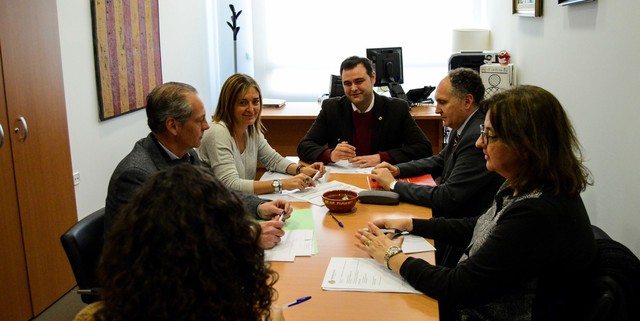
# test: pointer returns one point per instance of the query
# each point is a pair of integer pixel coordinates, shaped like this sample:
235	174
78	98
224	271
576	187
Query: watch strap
391	252
277	186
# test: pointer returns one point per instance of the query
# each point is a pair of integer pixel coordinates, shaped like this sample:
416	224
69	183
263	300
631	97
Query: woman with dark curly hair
528	256
184	248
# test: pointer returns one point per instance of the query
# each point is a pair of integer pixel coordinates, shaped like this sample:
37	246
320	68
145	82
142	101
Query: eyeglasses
486	138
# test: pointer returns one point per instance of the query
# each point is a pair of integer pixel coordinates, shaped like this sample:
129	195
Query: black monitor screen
387	63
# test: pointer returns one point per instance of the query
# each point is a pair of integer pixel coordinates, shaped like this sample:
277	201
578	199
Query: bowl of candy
340	201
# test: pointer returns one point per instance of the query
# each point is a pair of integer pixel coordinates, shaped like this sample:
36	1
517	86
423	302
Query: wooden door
15	303
41	156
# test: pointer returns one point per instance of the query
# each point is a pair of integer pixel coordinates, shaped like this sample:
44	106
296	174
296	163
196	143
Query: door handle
25	129
1	136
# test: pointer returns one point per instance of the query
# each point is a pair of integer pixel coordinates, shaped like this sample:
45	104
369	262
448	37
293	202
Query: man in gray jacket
176	117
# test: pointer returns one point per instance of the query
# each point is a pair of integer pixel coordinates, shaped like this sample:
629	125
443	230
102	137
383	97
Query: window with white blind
298	45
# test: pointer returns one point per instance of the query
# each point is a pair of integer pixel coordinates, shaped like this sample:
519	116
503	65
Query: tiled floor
64	309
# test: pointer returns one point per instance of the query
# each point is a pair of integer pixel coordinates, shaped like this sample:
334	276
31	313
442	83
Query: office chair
615	286
83	244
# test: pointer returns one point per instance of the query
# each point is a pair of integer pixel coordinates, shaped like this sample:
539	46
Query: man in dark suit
465	187
176	117
362	126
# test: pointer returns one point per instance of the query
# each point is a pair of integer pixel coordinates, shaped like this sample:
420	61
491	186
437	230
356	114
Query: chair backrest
83	244
615	287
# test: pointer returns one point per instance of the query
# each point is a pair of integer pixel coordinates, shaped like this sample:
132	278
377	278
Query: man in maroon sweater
362	126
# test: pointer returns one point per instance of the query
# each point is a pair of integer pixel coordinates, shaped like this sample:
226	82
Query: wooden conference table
304	276
288	124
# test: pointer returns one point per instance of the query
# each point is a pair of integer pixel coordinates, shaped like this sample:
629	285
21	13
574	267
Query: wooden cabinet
37	200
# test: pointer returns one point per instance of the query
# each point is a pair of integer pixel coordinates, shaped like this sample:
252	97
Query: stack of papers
298	240
293	243
367	275
312	195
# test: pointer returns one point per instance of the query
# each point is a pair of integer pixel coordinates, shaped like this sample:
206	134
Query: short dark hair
354	61
531	121
168	100
466	81
185	248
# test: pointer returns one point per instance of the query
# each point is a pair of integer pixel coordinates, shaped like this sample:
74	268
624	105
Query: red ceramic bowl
340	201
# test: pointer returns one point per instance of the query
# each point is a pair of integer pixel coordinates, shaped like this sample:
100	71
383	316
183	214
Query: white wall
585	54
97	147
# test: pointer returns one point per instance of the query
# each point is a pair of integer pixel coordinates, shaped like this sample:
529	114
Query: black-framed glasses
486	138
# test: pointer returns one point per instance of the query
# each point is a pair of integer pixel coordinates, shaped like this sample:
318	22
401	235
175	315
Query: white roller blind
299	44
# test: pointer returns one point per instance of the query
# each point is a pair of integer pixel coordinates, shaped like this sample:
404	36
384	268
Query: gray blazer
468	188
147	158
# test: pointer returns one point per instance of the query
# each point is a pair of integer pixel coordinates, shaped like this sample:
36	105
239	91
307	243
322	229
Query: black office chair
83	244
615	287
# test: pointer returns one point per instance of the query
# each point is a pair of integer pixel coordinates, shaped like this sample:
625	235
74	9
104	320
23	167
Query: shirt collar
459	131
373	99
171	155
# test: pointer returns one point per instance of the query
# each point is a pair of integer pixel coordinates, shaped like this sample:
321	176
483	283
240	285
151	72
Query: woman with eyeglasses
527	256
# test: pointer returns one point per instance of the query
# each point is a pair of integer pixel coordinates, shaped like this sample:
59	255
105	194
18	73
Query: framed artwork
568	2
527	8
126	42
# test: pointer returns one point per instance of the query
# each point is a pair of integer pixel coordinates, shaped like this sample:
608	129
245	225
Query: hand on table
273	209
383	176
343	151
374	242
366	160
313	169
272	233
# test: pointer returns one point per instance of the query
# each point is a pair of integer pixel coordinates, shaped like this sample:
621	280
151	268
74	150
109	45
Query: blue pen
281	218
296	302
335	219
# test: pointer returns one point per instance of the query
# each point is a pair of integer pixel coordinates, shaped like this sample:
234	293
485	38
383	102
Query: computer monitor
387	63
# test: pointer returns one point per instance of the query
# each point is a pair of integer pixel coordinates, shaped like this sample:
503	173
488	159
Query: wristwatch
277	186
299	169
390	253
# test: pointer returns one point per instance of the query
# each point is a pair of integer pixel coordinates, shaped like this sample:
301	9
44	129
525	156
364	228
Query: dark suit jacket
394	130
468	188
147	158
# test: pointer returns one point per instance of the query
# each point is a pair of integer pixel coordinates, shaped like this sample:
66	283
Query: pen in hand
296	302
282	215
335	219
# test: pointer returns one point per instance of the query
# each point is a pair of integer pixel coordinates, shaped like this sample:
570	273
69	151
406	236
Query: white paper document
344	166
311	195
416	244
362	275
293	243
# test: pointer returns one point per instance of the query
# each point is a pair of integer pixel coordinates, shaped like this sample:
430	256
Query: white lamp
471	40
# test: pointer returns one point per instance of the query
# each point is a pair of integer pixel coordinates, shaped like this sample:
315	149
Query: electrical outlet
76	178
